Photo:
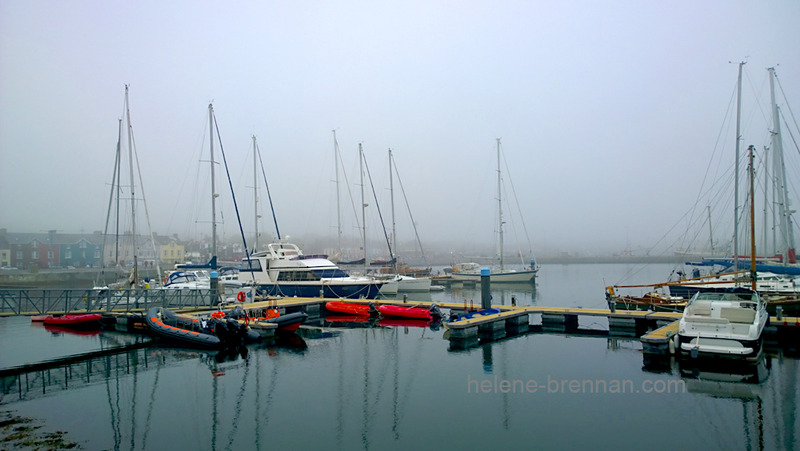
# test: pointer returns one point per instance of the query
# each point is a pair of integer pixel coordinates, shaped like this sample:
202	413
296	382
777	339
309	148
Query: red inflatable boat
405	312
350	308
87	321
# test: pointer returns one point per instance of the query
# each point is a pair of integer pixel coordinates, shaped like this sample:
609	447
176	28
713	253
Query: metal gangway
75	372
39	301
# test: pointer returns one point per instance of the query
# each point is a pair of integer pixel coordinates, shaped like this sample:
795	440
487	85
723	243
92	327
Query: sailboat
778	285
772	279
129	247
397	281
191	275
471	272
726	322
283	270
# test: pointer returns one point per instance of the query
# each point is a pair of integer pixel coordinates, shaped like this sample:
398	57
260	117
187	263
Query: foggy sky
609	112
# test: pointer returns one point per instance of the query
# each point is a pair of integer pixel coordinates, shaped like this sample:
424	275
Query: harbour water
356	387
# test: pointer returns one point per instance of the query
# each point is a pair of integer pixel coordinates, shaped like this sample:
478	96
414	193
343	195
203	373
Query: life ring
240	297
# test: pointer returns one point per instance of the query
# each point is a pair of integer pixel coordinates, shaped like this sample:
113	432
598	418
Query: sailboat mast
213	188
499	208
783	193
338	194
133	188
752	220
710	230
736	171
363	206
255	191
765	247
118	179
393	243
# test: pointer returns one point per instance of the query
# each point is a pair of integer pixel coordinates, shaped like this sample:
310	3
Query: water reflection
522	294
747	383
727	381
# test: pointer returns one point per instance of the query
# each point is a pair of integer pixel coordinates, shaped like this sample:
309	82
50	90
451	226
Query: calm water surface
361	387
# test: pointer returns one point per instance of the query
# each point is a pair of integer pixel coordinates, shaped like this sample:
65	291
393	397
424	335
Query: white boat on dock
283	270
723	323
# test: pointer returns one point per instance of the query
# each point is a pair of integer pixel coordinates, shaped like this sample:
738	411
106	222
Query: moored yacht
723	322
283	270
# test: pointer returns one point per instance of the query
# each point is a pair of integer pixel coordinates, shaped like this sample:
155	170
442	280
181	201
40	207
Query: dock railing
56	301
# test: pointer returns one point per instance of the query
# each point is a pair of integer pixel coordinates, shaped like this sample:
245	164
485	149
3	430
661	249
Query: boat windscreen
330	273
252	265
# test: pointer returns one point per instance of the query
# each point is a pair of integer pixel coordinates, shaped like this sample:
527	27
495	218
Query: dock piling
486	296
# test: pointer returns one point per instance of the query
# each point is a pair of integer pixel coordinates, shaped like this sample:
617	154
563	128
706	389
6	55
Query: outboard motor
236	312
238	332
220	328
373	311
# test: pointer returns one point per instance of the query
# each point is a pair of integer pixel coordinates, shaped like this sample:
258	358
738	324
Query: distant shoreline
82	277
611	259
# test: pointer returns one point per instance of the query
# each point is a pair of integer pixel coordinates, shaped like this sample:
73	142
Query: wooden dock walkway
654	328
659	341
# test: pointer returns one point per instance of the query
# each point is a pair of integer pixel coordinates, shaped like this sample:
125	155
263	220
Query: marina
376	383
207	243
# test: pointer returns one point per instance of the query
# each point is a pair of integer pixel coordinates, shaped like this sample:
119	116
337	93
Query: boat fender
240	297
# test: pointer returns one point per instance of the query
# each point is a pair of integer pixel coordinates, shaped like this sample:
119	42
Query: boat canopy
212	264
744	264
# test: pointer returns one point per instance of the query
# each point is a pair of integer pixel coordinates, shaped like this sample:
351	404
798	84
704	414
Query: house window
83	244
50	255
68	254
35	255
97	253
19	255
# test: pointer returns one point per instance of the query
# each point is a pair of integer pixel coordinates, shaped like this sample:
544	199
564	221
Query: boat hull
349	308
180	331
414	284
88	321
405	312
325	290
749	350
289	322
527	276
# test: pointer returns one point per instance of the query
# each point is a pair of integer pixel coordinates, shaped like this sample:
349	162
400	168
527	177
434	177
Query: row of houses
64	250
